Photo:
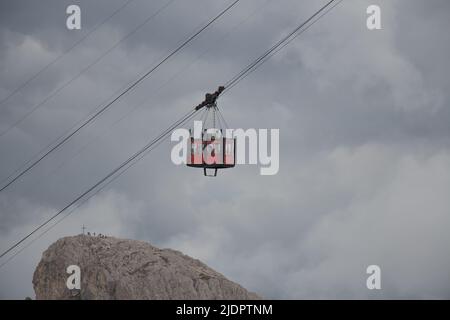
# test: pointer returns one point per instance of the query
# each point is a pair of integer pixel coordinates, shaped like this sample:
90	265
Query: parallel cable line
229	32
273	51
85	69
257	62
222	117
142	152
43	151
136	156
59	57
218	40
81	203
135	83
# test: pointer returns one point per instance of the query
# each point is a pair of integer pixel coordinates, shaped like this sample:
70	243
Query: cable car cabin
213	151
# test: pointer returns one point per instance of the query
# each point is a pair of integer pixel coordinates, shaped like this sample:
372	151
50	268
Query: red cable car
212	150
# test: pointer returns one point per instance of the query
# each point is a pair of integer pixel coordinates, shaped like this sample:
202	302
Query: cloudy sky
364	119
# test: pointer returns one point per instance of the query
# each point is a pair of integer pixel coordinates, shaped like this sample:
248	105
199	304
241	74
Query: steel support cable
145	150
204	115
59	57
84	200
135	83
257	61
223	118
195	60
287	42
118	169
219	121
280	45
81	203
85	69
277	47
141	104
42	151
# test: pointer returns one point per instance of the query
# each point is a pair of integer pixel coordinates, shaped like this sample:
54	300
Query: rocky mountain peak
112	268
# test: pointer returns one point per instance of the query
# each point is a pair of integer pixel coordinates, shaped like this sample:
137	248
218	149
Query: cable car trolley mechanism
212	150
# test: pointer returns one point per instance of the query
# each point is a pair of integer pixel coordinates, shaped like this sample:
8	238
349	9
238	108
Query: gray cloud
364	155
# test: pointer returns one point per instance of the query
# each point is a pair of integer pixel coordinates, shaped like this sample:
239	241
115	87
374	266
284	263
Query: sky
364	140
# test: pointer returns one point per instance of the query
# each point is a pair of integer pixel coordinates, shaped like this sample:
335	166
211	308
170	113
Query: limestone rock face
113	268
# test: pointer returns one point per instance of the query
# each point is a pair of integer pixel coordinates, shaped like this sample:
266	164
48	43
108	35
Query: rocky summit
93	267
